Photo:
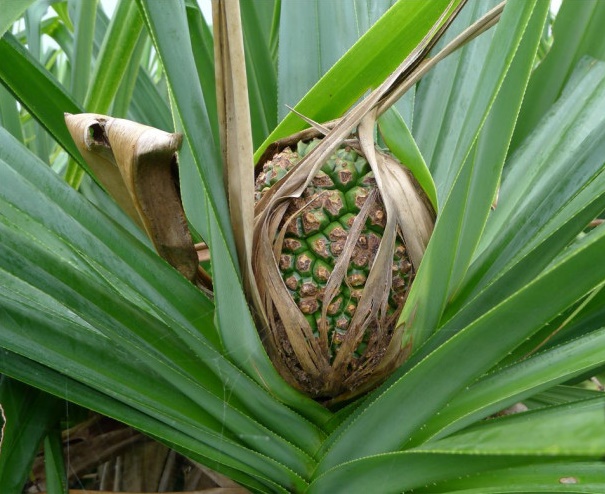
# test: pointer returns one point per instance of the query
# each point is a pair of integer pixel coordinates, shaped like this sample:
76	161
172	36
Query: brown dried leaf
145	159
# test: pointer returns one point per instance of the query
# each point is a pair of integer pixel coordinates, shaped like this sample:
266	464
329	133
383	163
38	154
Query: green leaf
261	72
84	23
129	294
543	210
124	94
149	384
37	90
400	142
9	114
574	429
365	65
114	57
313	36
514	384
473	169
202	45
581	320
153	424
110	65
169	28
76	280
40	143
62	10
535	437
28	414
577	32
148	106
54	463
11	11
60	34
559	395
538	215
403	471
565	476
490	150
444	96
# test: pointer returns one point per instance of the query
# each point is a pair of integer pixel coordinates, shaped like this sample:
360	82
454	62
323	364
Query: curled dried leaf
87	133
138	166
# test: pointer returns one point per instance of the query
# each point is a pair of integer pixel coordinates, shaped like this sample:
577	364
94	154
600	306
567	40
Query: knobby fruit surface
315	230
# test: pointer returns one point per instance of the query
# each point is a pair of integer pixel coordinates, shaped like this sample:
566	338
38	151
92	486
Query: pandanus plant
404	296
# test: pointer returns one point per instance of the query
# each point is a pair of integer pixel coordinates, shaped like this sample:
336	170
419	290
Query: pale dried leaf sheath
363	314
299	333
235	128
147	159
147	163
